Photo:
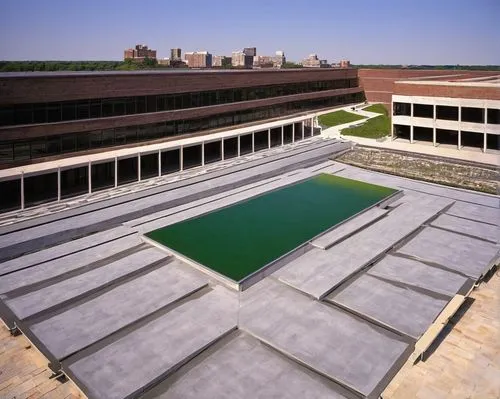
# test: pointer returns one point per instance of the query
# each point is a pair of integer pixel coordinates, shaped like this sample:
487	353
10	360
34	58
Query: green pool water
239	240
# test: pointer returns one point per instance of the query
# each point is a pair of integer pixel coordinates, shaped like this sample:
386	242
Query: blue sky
364	31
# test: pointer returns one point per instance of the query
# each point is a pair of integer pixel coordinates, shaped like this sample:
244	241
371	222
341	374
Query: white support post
485	143
312	126
116	172
434	136
90	177
159	163
58	184
181	158
459	127
203	154
139	167
253	142
222	149
411	134
269	138
22	190
239	145
293	132
303	128
282	135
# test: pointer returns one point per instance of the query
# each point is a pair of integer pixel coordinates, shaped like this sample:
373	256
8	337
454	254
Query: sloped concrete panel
152	351
402	309
476	229
330	341
453	251
78	327
477	212
244	368
414	273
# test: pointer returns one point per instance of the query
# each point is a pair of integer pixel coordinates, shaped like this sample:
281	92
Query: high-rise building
175	54
219	61
241	60
279	59
314	62
140	52
250	51
198	59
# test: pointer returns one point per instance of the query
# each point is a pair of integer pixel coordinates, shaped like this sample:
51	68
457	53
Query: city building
163	61
263	61
219	61
314	62
250	51
198	59
241	60
77	133
344	64
279	59
176	54
463	113
140	52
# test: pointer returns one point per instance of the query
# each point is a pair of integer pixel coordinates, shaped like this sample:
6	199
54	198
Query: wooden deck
24	373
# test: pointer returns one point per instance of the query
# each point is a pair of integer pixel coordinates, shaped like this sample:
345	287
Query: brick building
140	52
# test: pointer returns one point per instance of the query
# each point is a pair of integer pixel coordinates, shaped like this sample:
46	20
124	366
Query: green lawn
378	108
338	118
374	128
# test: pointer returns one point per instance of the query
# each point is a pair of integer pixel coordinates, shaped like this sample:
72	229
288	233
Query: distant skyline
464	32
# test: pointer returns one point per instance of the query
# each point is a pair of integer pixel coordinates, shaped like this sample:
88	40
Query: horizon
459	33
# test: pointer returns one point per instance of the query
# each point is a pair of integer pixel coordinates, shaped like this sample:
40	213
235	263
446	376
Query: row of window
467	114
25	114
21	150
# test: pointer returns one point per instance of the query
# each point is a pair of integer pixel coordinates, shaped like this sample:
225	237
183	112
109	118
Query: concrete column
312	126
411	134
459	139
181	158
239	146
139	166
58	184
434	136
90	177
303	128
434	112
485	143
22	190
253	142
203	154
222	149
293	132
159	163
116	172
282	135
459	127
268	138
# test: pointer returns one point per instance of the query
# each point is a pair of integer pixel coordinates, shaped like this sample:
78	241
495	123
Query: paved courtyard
122	318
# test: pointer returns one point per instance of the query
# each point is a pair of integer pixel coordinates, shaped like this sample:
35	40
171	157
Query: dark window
68	143
170	161
103	175
6	152
68	111
11	195
402	109
423	110
74	181
127	170
447	113
21	151
39	189
475	115
494	116
149	165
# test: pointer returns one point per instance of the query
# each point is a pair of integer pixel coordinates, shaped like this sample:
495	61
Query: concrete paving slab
349	227
47	270
116	371
348	350
465	255
477	229
417	274
64	249
479	213
402	309
317	272
81	326
244	368
72	288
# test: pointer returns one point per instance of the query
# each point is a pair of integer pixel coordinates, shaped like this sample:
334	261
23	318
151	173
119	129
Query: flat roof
156	72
